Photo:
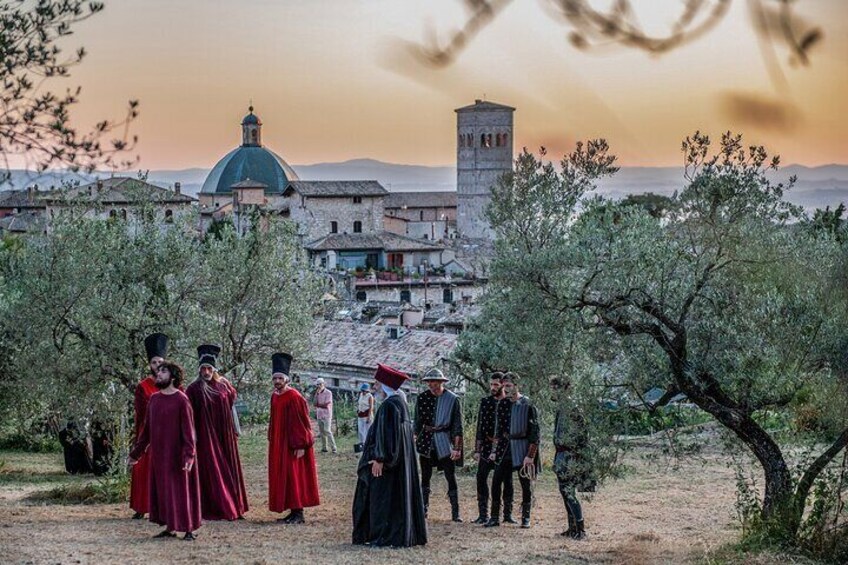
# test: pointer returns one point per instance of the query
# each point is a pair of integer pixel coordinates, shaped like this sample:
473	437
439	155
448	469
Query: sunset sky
335	80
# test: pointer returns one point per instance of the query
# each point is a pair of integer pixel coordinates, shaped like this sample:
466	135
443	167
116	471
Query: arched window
470	141
488	140
421	215
504	138
461	140
361	296
497	140
123	213
357	227
169	216
482	140
334	227
113	214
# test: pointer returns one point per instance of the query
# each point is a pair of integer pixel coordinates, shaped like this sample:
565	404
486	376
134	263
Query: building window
123	213
462	140
169	216
405	296
421	215
488	140
503	138
334	227
361	296
113	214
447	296
497	140
357	200
483	140
470	140
357	227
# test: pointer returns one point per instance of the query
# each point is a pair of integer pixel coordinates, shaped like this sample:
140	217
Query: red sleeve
299	425
141	401
187	431
271	419
143	439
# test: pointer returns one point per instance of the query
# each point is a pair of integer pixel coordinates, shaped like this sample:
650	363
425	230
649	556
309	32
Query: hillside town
403	268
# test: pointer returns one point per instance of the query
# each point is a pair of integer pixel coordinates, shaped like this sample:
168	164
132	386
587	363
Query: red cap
392	378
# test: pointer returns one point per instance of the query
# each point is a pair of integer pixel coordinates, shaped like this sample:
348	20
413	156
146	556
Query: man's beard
163	385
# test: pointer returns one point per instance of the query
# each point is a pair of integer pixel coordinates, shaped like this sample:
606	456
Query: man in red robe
156	347
168	438
292	477
222	492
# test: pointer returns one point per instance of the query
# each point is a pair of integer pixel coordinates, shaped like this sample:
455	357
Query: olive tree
726	298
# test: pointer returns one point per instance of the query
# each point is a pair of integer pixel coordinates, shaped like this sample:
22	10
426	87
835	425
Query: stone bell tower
483	154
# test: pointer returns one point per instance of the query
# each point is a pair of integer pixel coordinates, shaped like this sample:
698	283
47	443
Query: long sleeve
187	434
299	427
533	426
386	440
479	436
418	425
140	404
456	420
143	440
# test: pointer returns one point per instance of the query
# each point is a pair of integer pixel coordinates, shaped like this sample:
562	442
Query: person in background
364	414
322	399
486	417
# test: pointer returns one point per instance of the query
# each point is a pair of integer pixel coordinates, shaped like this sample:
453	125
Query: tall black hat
208	354
281	363
156	345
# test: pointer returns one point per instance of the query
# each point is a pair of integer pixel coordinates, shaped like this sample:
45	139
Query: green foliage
78	302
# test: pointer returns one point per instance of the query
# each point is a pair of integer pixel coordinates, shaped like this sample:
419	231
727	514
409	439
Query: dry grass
652	516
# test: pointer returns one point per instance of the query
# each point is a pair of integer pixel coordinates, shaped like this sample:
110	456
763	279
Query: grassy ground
653	515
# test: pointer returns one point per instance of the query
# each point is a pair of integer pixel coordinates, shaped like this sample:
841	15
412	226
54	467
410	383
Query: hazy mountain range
816	186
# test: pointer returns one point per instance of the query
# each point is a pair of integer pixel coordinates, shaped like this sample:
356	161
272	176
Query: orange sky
331	80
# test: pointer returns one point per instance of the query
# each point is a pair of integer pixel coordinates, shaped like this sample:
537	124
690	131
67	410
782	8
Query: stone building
123	198
421	215
483	154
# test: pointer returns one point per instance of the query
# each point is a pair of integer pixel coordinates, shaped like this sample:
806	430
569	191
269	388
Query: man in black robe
483	444
438	437
387	506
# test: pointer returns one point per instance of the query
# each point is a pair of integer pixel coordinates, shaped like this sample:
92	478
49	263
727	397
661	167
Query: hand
492	456
476	456
528	461
455	454
131	461
298	453
376	468
187	467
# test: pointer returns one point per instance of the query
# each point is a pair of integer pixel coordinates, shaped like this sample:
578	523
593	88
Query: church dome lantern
249	161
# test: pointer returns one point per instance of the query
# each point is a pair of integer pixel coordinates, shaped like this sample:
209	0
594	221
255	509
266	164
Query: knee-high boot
425	494
453	496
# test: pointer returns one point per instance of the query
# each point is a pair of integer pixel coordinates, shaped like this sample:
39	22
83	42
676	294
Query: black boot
483	509
493	521
508	519
579	532
572	528
138	516
425	494
453	496
525	515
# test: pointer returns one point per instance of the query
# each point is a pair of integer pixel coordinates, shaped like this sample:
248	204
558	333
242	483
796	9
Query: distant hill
816	186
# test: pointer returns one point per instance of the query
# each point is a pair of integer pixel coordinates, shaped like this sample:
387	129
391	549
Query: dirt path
650	516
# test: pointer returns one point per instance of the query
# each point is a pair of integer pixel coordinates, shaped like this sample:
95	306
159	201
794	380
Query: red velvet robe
292	481
222	492
174	494
140	471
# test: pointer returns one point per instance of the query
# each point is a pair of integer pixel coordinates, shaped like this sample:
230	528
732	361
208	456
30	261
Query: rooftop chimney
177	188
